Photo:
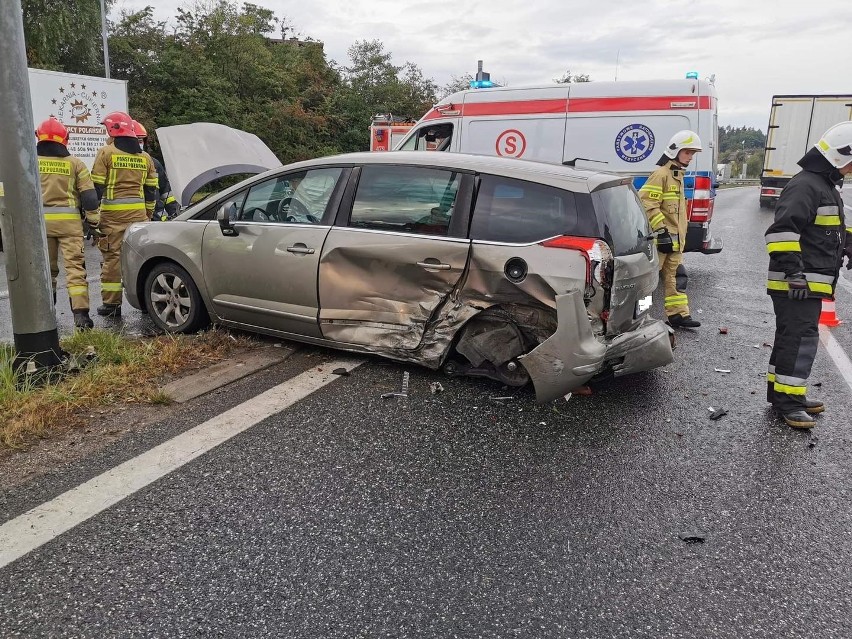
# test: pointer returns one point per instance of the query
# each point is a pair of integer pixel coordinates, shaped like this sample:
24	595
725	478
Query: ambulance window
434	137
516	211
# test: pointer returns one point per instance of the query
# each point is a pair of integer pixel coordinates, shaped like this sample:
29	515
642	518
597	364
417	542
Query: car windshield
622	215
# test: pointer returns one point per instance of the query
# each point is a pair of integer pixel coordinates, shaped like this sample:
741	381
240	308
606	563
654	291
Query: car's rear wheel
173	300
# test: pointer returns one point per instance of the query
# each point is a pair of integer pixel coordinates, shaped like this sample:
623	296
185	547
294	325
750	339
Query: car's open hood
195	154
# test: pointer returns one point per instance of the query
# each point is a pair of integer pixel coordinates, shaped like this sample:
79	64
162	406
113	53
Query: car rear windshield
518	211
623	221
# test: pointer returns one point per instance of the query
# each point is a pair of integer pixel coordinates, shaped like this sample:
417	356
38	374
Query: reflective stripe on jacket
664	201
807	236
127	181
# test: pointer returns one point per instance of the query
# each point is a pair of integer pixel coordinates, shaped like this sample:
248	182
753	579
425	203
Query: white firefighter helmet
681	140
836	144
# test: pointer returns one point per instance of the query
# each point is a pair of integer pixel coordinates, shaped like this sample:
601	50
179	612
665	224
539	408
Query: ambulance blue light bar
481	84
692	75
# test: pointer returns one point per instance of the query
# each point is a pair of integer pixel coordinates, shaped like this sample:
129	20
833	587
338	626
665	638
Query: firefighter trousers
113	227
676	302
74	259
793	353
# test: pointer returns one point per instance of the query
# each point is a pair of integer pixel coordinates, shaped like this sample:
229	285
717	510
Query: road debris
582	390
813	441
717	413
767	344
693	537
436	387
504	398
401	393
340	371
723	330
568	397
722	370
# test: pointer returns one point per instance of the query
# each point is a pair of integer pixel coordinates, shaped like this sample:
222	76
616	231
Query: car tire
173	301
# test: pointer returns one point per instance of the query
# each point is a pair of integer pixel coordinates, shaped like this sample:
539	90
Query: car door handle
300	249
438	266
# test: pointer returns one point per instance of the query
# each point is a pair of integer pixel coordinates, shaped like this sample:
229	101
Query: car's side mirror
227	215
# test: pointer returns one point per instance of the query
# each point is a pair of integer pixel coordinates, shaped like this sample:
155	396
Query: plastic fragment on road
504	398
717	413
693	537
722	370
723	330
340	371
436	387
403	392
568	397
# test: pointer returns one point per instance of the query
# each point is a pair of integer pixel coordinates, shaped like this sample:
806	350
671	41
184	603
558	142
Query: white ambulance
617	127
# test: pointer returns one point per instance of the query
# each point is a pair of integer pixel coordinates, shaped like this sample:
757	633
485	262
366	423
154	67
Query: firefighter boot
799	419
814	407
109	310
683	321
82	320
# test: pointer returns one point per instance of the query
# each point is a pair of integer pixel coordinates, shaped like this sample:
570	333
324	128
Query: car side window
294	198
408	199
516	211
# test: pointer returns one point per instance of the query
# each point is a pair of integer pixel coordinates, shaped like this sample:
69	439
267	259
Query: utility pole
104	38
25	243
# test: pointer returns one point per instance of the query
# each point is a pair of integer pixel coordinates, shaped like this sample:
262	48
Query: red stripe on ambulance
573	105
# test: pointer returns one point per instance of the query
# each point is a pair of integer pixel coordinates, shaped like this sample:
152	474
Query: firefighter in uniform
66	186
665	205
806	245
167	206
126	181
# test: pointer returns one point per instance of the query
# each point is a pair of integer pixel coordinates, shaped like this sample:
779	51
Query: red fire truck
386	130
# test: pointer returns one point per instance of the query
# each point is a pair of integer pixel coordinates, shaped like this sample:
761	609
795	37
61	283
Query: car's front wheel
173	300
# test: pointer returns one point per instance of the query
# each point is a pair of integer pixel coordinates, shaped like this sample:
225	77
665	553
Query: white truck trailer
796	123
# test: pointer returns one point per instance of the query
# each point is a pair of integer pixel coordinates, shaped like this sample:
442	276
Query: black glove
847	253
798	286
665	243
172	208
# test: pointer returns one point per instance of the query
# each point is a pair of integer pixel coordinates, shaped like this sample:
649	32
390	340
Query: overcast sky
755	48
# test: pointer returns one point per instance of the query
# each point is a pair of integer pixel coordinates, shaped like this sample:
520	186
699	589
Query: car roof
552	174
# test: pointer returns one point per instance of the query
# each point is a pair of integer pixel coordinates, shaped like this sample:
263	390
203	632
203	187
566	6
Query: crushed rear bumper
573	355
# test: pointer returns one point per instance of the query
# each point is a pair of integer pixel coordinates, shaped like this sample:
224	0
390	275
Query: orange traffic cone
828	315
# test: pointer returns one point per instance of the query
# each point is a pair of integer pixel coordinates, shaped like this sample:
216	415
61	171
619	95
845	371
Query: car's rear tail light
597	253
700	207
765	191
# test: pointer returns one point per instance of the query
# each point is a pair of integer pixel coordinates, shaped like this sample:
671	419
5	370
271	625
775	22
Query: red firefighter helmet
52	130
119	124
141	132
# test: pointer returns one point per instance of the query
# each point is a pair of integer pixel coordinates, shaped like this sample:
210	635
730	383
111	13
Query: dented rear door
387	271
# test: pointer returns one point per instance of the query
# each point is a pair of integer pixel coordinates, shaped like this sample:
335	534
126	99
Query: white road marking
49	520
835	350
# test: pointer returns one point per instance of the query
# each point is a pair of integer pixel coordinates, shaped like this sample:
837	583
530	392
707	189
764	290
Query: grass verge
125	371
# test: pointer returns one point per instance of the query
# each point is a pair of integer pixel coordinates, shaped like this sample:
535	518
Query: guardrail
733	182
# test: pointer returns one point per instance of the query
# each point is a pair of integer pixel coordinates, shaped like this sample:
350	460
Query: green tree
64	35
456	84
569	77
372	84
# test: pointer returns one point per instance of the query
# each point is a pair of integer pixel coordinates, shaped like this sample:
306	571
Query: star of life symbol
634	143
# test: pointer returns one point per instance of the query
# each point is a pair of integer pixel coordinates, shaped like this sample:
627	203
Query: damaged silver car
507	269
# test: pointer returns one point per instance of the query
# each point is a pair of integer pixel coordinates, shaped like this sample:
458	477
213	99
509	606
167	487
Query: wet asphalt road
457	515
